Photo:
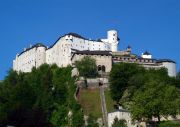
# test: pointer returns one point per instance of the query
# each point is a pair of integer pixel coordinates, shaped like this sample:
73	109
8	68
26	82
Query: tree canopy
87	67
120	76
41	98
146	93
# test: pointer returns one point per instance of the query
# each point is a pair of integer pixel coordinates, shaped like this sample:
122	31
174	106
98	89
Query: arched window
99	67
103	68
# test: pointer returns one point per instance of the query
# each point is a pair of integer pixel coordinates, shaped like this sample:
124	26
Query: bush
169	124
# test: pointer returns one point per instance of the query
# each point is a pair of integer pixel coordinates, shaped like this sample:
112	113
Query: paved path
103	105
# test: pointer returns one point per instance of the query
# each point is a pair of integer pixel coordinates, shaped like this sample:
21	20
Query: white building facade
29	58
121	114
61	51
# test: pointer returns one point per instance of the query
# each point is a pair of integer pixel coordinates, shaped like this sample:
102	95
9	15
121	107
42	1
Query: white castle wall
60	52
120	114
40	56
171	68
29	59
82	44
147	56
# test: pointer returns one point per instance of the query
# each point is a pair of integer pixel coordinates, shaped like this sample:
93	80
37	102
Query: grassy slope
109	102
90	102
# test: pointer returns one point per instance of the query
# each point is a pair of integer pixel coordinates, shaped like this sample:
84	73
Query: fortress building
72	47
63	50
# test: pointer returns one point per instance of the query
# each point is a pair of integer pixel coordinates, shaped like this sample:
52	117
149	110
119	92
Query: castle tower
112	36
128	49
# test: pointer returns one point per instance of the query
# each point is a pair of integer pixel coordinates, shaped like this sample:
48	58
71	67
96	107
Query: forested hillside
42	98
147	93
45	97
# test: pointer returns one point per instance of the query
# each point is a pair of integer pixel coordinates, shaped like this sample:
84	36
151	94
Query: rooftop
34	46
165	60
87	52
146	53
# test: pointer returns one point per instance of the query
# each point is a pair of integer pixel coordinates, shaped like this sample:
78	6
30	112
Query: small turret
146	55
128	49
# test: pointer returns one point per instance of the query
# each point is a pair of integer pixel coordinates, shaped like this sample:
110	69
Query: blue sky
152	25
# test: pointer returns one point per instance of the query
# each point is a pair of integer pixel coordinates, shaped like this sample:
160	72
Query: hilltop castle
72	47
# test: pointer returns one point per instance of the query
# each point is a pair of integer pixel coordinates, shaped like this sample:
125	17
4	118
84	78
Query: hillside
42	98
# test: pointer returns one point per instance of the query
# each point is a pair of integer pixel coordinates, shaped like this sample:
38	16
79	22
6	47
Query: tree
92	122
155	99
178	75
41	98
78	119
146	93
119	123
87	67
119	77
59	116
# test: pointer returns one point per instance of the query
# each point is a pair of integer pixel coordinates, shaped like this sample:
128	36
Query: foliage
59	116
77	119
177	80
146	93
119	123
178	75
169	124
40	98
87	67
92	121
156	99
119	77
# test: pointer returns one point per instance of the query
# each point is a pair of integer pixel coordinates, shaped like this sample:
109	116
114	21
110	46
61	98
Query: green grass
109	102
91	102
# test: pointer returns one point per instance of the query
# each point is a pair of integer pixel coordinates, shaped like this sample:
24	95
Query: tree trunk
159	119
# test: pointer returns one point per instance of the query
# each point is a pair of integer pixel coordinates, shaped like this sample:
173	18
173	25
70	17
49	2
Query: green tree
178	75
119	123
59	116
87	67
92	122
155	98
41	98
77	119
119	77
